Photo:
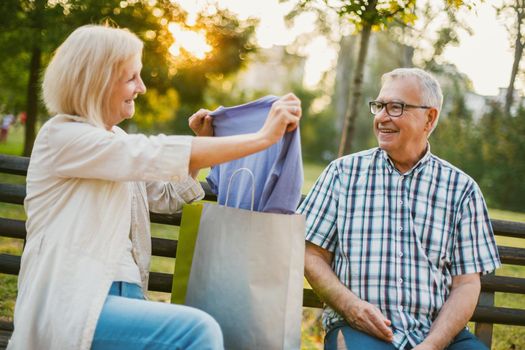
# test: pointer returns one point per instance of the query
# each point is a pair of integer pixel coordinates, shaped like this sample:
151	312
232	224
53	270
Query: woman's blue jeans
129	322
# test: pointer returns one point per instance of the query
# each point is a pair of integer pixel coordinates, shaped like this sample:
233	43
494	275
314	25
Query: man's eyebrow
385	101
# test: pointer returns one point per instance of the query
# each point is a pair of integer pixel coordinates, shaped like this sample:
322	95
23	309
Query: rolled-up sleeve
168	197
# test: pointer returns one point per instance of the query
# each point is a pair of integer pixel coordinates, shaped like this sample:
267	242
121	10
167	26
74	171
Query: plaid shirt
398	239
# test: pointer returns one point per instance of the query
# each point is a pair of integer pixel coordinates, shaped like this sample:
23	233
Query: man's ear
432	116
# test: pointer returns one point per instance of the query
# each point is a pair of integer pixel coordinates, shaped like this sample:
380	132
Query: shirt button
400	229
400	202
400	254
400	281
401	308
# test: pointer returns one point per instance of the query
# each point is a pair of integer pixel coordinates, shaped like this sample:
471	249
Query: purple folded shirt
278	170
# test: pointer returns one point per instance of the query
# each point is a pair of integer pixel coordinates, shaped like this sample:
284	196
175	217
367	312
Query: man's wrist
434	344
349	306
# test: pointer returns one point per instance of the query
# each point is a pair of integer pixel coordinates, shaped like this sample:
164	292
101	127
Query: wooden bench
485	316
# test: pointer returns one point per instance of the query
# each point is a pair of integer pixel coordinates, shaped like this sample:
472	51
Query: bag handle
230	182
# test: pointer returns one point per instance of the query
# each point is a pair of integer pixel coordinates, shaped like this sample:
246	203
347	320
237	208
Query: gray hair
431	93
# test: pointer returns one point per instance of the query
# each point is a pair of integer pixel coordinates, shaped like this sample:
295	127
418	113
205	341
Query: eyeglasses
393	109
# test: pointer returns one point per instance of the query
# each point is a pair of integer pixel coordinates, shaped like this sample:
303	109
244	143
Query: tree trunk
32	100
343	77
36	17
355	98
518	52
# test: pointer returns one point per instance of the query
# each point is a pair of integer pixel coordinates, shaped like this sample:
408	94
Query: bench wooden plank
310	299
511	255
12	228
9	264
165	219
486	314
503	284
13	164
6	329
6	325
163	247
160	282
508	228
4	338
13	194
501	315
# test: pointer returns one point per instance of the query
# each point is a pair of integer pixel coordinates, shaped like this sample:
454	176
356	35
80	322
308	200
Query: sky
485	56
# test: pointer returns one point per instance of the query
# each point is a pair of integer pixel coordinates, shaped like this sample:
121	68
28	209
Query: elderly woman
90	187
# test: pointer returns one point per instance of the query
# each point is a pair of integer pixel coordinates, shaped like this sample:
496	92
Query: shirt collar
420	165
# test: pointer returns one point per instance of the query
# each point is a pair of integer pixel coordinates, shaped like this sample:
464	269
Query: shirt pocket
433	231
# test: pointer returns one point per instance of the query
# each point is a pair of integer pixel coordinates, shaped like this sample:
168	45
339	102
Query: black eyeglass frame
387	104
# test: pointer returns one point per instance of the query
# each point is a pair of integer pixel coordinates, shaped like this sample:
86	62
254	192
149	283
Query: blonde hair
430	89
79	78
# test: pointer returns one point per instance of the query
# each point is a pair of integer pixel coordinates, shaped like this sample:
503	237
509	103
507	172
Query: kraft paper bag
189	228
247	272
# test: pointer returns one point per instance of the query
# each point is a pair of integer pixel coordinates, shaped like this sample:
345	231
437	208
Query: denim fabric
357	340
353	339
127	321
466	341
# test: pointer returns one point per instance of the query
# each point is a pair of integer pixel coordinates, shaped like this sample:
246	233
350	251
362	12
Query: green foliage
232	41
377	13
503	146
157	111
491	151
318	128
32	29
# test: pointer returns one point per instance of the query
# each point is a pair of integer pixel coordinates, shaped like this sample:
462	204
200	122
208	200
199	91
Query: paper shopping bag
189	228
247	272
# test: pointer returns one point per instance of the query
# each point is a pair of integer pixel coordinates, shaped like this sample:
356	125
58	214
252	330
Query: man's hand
201	123
369	319
455	313
358	313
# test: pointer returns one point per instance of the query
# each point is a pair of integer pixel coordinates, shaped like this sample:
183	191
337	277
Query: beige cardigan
86	189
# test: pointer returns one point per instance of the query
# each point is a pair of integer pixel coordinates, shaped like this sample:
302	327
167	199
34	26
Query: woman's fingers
201	123
198	116
289	97
288	109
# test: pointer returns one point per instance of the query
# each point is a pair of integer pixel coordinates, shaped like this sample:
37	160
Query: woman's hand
209	151
201	123
283	117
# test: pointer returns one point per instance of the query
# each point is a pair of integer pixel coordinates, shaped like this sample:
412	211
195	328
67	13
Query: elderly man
396	237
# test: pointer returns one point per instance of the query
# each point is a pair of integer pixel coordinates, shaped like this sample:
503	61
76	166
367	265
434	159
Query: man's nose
382	115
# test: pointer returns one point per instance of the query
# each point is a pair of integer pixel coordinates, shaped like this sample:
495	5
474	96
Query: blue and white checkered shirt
398	239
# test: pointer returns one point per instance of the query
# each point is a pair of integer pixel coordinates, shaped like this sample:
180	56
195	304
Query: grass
14	144
505	337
